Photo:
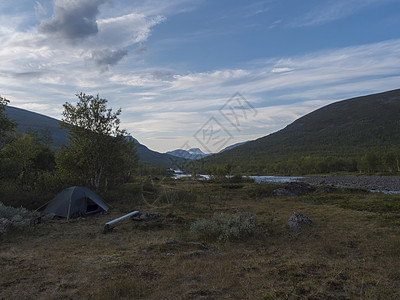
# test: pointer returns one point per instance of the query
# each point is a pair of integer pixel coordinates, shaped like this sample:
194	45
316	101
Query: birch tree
98	152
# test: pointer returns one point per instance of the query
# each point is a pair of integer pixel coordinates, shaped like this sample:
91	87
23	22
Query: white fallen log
109	225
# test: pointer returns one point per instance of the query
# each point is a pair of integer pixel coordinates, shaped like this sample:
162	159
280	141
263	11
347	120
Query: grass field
351	250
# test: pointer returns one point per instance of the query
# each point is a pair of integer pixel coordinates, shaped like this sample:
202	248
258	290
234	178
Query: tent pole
69	209
37	209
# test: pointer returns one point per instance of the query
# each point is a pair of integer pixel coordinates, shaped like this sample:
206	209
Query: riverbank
379	183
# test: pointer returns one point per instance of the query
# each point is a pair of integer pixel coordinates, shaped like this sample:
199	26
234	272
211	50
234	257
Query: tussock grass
348	253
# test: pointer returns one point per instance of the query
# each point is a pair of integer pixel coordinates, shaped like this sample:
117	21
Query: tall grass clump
224	227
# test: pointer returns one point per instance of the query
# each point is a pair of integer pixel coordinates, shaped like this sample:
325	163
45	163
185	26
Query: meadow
350	251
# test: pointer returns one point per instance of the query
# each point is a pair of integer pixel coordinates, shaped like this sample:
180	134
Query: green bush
224	227
12	194
15	217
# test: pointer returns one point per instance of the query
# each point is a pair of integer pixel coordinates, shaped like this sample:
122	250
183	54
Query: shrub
224	227
41	191
15	217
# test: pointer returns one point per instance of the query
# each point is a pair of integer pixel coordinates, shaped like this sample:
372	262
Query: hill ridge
346	129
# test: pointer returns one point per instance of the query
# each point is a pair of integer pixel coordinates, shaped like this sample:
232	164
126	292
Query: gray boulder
297	220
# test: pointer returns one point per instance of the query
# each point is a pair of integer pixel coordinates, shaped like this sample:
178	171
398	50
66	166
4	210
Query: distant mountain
155	158
344	129
191	154
37	122
196	153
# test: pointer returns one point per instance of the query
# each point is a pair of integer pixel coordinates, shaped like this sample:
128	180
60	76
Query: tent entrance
91	207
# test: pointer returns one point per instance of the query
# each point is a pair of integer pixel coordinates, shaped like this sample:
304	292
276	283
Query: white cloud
281	70
40	10
207	80
170	122
275	24
126	30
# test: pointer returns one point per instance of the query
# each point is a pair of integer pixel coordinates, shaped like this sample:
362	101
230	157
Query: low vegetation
221	244
223	227
15	217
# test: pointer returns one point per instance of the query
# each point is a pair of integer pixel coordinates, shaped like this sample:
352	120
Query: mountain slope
155	158
37	122
348	128
232	146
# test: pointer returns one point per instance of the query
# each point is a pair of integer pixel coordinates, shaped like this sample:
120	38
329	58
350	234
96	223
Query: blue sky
198	73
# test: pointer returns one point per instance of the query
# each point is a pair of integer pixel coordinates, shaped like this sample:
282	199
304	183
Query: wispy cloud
40	10
126	30
155	7
331	10
255	8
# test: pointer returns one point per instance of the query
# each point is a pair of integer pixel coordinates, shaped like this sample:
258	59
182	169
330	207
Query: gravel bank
382	183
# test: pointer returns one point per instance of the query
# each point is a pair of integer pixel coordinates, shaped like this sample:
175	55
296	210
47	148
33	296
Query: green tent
75	201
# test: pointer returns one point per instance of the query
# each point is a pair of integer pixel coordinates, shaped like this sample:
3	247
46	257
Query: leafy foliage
99	154
27	171
7	126
91	115
25	156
